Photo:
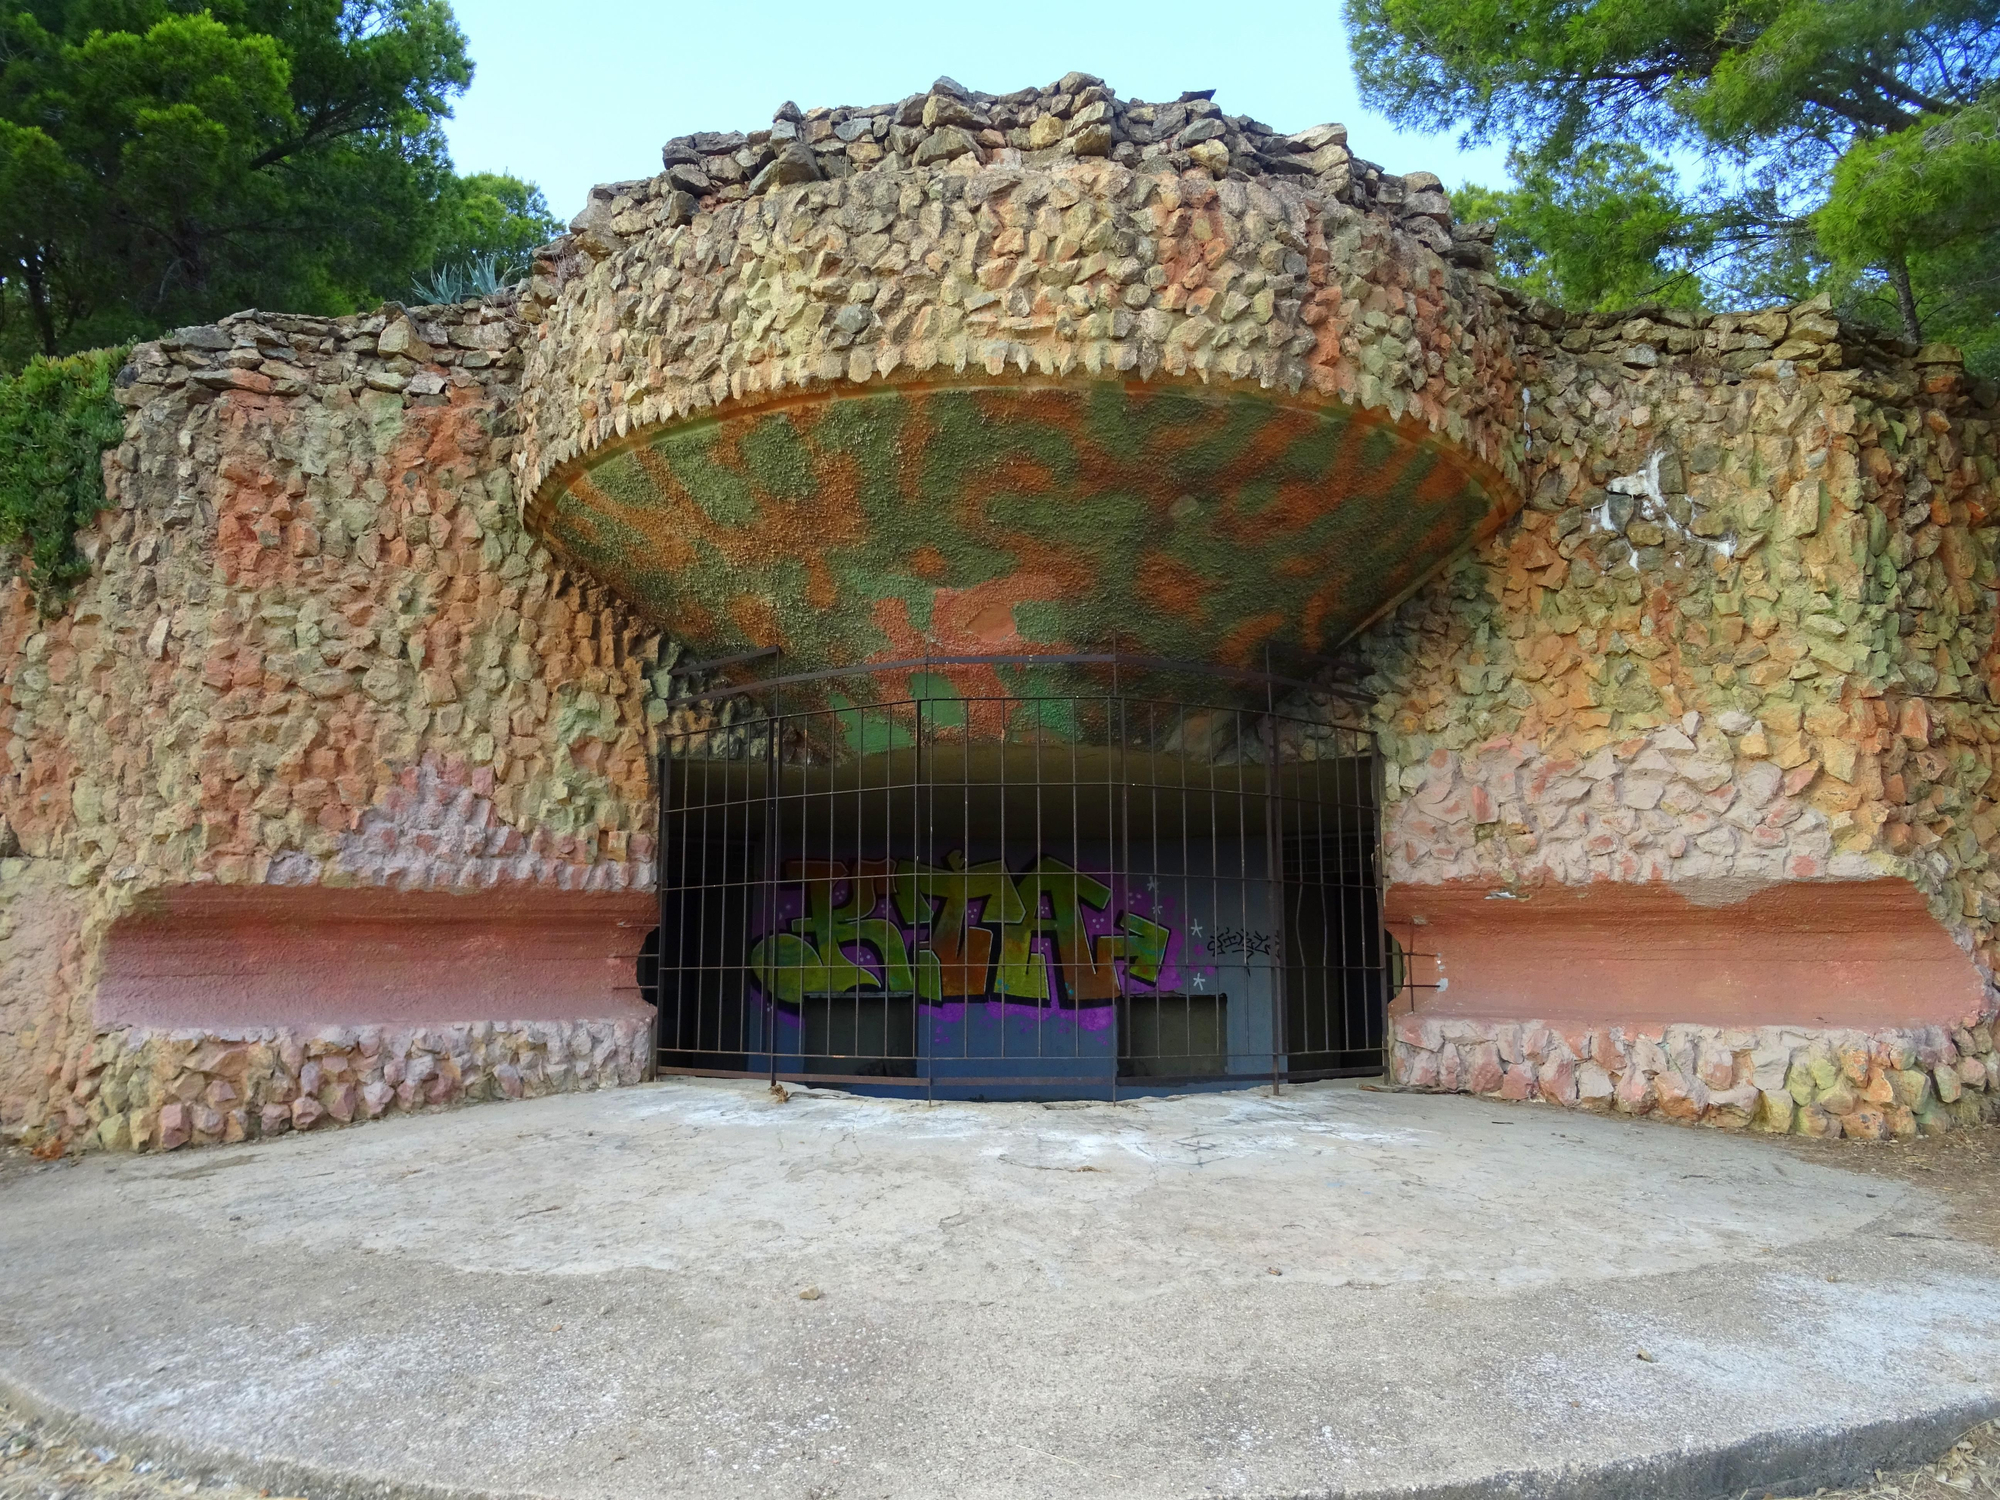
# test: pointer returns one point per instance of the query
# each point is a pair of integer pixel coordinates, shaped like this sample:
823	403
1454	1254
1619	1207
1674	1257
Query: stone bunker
1013	595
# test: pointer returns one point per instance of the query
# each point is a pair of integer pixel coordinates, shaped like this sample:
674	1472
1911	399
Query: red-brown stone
1483	1075
1838	953
220	957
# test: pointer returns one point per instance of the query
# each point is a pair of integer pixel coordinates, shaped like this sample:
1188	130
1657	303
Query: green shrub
57	416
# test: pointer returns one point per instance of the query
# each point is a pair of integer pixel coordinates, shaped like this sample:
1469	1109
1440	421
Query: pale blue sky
573	94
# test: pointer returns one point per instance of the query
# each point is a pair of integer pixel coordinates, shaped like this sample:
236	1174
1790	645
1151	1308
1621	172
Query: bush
57	416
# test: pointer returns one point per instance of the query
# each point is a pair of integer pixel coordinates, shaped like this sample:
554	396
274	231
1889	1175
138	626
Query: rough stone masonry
328	793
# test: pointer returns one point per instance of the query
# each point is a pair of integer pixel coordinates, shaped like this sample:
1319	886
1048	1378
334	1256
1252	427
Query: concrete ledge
1778	1463
280	1476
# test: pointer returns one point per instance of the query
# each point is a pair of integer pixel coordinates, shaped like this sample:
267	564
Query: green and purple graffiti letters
959	956
953	913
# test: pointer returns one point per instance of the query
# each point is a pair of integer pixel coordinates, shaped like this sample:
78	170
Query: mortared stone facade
328	795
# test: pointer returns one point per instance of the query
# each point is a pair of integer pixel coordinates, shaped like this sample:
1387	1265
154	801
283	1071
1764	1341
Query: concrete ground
694	1289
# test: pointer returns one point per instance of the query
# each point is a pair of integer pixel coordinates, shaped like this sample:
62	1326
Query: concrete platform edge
1793	1462
281	1476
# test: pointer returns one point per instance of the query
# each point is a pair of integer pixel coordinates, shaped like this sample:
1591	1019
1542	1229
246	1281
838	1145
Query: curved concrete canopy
1169	520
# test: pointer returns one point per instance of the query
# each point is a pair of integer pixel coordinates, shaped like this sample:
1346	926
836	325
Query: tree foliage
1605	229
1849	142
163	161
488	225
56	418
490	213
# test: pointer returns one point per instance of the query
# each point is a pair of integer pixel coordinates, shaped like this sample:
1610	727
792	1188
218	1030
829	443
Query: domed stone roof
1043	370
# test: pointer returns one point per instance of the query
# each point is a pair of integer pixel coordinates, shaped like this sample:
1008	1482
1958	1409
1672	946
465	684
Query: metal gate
1021	877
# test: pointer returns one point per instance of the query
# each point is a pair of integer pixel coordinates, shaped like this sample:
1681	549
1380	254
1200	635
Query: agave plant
462	281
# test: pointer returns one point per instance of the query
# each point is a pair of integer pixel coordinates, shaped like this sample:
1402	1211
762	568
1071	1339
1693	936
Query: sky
586	91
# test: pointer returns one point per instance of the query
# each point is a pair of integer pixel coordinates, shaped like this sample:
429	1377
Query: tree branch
1889	84
1881	116
323	127
1906	299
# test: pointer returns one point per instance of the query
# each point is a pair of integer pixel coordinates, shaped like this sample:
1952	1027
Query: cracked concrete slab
1332	1291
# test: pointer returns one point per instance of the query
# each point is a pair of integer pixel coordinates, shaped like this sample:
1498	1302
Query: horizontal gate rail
1119	661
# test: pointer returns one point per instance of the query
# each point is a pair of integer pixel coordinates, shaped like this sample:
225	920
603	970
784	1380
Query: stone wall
42	968
316	649
1741	637
1859	1084
143	1089
1743	632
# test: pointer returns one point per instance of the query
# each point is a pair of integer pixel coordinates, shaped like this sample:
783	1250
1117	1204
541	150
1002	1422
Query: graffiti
1244	940
962	932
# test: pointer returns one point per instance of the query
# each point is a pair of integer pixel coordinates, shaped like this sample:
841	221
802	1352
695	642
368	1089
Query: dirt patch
1969	1467
39	1461
1961	1166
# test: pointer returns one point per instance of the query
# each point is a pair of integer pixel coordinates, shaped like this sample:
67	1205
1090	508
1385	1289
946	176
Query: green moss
57	416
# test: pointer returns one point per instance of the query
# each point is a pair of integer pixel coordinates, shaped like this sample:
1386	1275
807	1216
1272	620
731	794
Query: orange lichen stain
1170	586
981	618
1048	570
994	626
757	619
891	615
929	564
1013	474
1265	451
1239	647
917	432
831	514
821	590
1323	601
971	680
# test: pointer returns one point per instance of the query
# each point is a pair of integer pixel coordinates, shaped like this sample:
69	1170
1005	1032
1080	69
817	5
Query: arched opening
979	878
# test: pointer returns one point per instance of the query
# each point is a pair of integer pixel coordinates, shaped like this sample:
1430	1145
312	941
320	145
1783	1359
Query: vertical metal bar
1357	870
1155	787
1181	762
773	867
1119	849
1274	859
1328	921
731	978
861	768
1242	800
713	882
923	822
1008	707
1372	849
1035	913
1068	979
1347	876
958	839
659	908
